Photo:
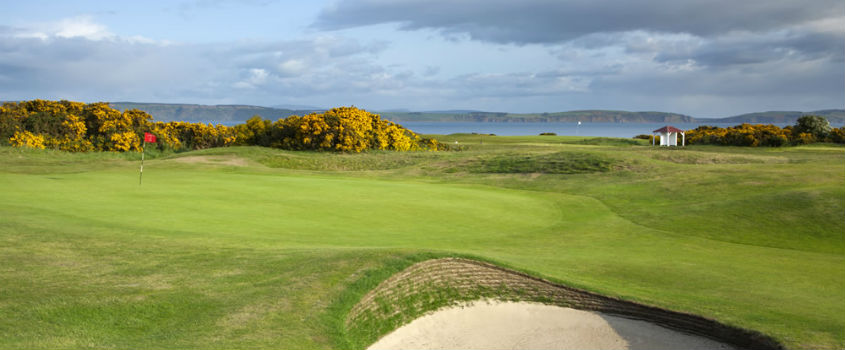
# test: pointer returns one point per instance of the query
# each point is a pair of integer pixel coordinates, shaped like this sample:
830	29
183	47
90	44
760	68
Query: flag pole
143	150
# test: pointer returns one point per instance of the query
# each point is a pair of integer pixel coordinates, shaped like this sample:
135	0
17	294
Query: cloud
709	32
797	66
74	27
736	48
81	27
544	21
771	51
430	71
84	61
256	77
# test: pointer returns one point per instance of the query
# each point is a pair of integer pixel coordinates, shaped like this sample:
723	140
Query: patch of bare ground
438	283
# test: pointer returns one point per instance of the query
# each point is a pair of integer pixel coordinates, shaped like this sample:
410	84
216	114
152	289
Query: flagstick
143	150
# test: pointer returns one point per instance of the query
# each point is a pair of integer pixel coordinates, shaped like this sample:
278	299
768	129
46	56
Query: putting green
291	210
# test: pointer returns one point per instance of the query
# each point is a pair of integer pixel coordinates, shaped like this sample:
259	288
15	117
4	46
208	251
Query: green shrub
815	125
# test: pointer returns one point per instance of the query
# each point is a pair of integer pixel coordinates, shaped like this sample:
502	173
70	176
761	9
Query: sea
625	130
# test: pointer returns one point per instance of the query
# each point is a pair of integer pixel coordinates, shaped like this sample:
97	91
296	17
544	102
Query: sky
705	58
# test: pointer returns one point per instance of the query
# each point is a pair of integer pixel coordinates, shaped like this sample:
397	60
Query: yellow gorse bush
79	127
27	139
343	129
755	135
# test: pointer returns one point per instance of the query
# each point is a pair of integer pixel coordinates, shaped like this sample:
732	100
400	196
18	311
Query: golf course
255	247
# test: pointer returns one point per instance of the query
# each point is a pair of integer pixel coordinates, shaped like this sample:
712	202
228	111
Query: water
626	130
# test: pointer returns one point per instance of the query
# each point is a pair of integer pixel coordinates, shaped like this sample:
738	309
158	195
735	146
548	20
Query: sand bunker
523	325
449	281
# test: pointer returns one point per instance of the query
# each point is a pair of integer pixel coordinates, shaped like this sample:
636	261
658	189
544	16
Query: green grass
554	163
272	254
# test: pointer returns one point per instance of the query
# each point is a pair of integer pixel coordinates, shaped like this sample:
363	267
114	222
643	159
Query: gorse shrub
808	129
79	127
837	135
344	129
347	129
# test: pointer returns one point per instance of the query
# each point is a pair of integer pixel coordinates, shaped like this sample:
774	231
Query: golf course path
522	325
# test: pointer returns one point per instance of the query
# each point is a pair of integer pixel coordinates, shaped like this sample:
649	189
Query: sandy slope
521	325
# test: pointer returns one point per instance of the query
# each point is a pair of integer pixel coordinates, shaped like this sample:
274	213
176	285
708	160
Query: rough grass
555	163
218	256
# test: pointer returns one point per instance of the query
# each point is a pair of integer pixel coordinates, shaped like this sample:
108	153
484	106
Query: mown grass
273	254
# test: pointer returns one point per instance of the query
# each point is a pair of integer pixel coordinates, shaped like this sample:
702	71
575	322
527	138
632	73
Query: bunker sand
524	325
571	317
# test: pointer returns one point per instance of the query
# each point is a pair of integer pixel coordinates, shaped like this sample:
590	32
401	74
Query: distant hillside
205	113
835	116
591	116
231	114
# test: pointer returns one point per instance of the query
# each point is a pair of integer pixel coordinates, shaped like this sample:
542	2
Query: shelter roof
668	128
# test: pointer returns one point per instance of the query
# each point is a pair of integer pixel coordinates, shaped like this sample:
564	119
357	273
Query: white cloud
292	67
81	27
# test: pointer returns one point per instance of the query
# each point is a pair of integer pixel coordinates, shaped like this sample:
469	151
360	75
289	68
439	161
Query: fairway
272	250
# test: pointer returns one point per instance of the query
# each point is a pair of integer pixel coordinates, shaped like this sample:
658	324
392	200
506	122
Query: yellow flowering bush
27	139
78	127
344	129
124	141
837	135
740	135
167	135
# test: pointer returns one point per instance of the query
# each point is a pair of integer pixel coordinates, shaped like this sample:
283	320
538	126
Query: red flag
149	137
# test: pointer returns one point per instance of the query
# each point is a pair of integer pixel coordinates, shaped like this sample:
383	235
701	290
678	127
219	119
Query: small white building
669	136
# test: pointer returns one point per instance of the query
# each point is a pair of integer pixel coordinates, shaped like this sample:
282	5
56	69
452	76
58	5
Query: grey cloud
756	49
767	83
335	70
707	33
513	85
244	72
430	71
545	21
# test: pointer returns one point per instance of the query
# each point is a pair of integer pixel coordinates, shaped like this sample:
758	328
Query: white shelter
669	136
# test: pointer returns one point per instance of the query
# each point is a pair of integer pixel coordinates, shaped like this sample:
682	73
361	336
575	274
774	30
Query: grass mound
681	156
555	163
608	141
